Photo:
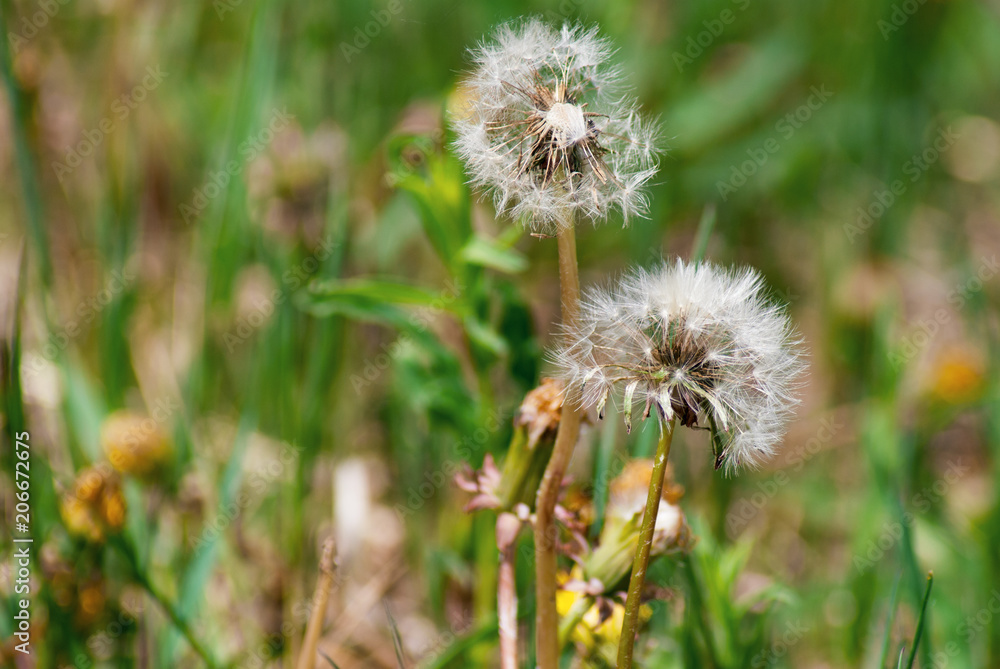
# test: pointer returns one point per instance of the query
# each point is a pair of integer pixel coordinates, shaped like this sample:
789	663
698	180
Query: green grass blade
25	161
705	227
397	642
920	621
890	616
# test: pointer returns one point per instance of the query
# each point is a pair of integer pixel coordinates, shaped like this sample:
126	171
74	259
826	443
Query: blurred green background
240	219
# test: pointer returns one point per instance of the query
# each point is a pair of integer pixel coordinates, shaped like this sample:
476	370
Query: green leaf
463	643
489	253
485	337
437	184
390	292
699	121
85	411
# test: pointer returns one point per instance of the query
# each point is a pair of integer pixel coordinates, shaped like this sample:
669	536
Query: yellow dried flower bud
957	376
95	506
135	444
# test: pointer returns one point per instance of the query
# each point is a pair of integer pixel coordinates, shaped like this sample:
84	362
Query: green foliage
343	296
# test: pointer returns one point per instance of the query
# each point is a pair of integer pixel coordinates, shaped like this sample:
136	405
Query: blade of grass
25	160
603	473
200	567
329	659
920	621
486	632
13	396
397	642
705	227
179	620
890	617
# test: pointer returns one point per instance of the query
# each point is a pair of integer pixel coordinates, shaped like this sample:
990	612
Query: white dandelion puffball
695	343
547	130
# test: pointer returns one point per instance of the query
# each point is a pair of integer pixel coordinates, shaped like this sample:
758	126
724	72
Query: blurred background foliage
238	220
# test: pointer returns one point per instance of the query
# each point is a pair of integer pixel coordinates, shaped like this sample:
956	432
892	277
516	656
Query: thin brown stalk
631	624
547	620
324	586
507	526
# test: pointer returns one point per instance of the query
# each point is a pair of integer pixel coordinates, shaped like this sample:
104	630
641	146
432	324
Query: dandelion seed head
548	130
695	343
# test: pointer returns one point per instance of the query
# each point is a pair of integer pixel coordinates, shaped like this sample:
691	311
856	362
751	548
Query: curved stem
631	624
178	620
127	549
547	618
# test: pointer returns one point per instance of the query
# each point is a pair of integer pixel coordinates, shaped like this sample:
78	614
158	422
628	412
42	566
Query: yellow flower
135	444
95	507
599	628
957	376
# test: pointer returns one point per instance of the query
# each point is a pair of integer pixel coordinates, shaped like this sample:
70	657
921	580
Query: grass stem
324	586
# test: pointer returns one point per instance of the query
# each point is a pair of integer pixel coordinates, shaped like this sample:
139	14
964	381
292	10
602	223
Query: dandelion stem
547	619
507	608
631	624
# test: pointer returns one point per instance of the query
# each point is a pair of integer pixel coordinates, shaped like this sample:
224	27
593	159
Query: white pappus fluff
547	130
695	343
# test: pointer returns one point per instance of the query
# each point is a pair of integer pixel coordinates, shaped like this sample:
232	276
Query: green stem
573	618
168	606
631	624
547	617
181	624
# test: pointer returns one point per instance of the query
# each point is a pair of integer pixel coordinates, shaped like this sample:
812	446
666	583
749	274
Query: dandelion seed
547	128
695	343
